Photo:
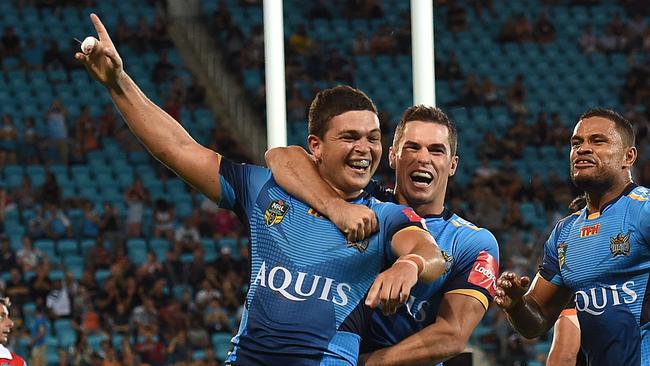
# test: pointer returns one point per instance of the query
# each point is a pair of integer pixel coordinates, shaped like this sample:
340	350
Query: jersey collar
4	353
446	214
628	188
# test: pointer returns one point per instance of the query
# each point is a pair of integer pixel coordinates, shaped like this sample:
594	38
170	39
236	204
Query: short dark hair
427	114
332	102
624	127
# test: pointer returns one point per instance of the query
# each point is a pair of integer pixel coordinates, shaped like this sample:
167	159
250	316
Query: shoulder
566	222
472	237
640	194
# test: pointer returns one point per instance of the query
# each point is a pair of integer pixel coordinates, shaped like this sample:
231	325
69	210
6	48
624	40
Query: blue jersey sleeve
474	266
553	258
644	222
240	184
393	218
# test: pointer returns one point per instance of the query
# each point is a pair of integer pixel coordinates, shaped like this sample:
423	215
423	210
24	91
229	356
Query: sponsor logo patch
413	217
275	212
484	272
590	230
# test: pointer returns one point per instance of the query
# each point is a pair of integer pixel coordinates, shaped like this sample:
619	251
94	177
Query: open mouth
359	165
421	178
583	163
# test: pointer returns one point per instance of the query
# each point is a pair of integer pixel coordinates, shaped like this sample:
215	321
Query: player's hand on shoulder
357	222
510	290
102	60
392	287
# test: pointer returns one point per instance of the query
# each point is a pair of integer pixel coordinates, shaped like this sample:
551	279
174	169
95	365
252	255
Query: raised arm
533	313
295	171
163	136
457	317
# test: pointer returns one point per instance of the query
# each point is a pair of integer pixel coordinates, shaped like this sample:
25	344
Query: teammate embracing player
439	317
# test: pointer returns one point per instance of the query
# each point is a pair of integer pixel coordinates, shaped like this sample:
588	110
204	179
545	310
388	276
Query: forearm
295	171
421	348
421	249
156	129
527	318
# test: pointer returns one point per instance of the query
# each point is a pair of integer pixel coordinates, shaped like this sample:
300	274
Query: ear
630	157
453	165
314	143
392	157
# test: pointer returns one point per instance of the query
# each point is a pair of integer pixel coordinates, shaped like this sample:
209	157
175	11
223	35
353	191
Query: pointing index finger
101	30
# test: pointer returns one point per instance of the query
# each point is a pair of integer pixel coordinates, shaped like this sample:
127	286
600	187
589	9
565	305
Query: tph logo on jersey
589	230
595	300
290	286
275	212
484	272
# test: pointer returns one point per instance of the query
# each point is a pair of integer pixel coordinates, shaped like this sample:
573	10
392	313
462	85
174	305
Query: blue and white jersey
472	267
605	259
305	301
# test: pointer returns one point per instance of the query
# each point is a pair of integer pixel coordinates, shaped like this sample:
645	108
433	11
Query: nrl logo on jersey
619	245
275	212
561	253
360	245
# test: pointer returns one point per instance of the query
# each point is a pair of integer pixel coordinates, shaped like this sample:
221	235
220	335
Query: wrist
332	205
417	260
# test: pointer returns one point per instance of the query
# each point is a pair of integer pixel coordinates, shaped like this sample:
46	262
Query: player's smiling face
423	162
349	152
597	154
5	324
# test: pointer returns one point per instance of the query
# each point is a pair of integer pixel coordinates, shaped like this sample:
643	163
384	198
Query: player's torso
306	281
605	260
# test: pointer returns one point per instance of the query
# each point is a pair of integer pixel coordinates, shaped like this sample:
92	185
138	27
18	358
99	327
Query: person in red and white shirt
7	358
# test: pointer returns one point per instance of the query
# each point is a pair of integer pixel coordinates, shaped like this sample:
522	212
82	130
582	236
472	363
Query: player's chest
302	232
596	251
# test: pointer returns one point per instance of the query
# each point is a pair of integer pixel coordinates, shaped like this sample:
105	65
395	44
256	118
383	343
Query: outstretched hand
510	290
102	61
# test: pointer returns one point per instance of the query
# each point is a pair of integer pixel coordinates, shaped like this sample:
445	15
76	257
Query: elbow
436	268
278	154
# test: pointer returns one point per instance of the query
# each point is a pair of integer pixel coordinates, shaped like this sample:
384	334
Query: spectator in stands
320	10
90	222
206	293
16	289
107	121
186	236
456	17
136	198
109	223
145	315
453	70
383	41
173	267
24	196
58	224
215	317
543	30
489	92
39	330
98	257
29	151
471	93
478	6
178	350
28	257
53	59
40	285
588	41
149	270
32	55
373	9
196	334
300	42
360	45
522	29
57	128
507	30
194	94
163	220
50	190
81	353
8	141
225	224
85	130
162	70
10	42
158	33
516	96
120	321
58	301
8	259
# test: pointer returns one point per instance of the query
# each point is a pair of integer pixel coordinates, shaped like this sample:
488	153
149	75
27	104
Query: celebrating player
308	282
439	317
600	253
7	357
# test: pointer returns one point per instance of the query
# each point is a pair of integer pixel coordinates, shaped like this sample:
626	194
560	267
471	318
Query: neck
434	207
597	199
